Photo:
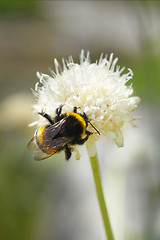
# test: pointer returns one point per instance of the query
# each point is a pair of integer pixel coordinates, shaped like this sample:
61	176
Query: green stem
99	190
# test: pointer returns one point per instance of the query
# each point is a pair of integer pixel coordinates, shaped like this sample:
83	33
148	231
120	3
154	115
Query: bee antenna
93	127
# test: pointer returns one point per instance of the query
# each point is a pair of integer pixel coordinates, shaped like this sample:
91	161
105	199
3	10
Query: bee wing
60	142
54	130
32	145
56	127
39	155
55	146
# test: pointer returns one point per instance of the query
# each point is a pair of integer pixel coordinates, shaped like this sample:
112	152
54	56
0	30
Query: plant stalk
100	195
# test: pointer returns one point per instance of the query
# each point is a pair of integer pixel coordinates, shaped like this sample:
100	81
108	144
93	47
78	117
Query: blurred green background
55	199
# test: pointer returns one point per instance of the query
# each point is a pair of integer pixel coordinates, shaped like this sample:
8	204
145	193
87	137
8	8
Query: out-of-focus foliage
147	77
13	7
22	187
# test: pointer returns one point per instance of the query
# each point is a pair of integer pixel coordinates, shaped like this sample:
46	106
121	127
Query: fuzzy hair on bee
61	133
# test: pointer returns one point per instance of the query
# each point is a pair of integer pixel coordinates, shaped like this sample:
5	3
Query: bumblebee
61	133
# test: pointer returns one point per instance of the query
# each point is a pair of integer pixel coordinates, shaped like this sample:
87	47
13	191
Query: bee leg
68	152
45	115
88	132
81	141
75	109
59	110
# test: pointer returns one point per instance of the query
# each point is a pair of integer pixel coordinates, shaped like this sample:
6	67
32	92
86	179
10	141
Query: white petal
119	138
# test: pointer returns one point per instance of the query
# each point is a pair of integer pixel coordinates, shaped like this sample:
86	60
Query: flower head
98	89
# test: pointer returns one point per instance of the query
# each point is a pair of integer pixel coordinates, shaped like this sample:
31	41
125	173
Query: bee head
87	121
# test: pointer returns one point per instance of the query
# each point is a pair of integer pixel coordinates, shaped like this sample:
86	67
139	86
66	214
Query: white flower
98	89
